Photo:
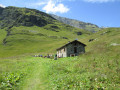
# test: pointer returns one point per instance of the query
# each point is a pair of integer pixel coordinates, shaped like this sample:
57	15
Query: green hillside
33	31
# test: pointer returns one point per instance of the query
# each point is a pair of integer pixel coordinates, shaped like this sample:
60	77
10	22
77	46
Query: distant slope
76	23
24	30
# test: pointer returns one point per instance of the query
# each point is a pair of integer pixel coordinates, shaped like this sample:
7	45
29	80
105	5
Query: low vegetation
82	72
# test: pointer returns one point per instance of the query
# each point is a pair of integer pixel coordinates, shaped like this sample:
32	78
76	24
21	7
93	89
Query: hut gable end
73	48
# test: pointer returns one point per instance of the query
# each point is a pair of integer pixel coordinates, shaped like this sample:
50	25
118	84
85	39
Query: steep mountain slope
76	23
13	16
26	30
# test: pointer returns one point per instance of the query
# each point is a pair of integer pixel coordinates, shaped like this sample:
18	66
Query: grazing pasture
82	72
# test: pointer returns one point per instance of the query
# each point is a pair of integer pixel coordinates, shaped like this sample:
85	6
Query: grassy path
35	80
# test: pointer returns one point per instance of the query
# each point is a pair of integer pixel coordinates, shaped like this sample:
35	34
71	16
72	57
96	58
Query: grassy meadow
97	69
75	73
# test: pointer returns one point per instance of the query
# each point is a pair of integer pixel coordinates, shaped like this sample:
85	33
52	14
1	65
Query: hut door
75	49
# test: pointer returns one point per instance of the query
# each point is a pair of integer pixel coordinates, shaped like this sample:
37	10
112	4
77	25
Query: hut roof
71	43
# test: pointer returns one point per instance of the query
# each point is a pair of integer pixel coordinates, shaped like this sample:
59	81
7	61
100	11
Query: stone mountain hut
71	49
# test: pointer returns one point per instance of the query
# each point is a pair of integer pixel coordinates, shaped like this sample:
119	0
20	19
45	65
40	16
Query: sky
104	13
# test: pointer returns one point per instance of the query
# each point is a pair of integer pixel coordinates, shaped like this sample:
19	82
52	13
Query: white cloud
2	6
54	6
100	1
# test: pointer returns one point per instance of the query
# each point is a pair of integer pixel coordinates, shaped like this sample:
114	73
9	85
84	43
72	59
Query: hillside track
35	79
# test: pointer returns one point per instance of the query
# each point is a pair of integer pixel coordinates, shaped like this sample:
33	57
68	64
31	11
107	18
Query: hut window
75	49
